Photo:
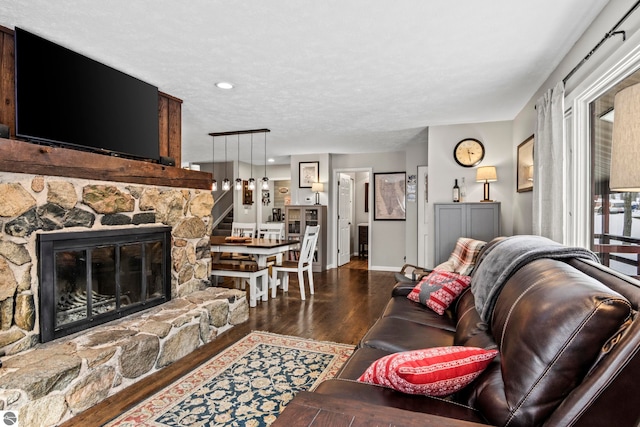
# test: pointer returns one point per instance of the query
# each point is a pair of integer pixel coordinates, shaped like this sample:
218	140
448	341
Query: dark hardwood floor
347	301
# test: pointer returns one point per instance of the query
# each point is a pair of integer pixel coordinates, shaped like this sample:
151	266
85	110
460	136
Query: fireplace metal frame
50	243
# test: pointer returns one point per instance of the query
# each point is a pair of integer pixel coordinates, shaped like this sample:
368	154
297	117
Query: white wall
524	122
304	196
417	154
243	213
523	128
388	242
275	173
443	169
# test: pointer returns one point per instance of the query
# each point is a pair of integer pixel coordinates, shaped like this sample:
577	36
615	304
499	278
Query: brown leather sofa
568	334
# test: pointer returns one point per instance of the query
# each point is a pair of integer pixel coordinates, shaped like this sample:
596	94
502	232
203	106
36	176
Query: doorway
352	215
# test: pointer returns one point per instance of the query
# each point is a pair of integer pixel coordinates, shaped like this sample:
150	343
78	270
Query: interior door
344	218
423	220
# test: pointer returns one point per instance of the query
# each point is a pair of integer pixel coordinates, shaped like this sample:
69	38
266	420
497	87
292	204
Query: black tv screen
65	98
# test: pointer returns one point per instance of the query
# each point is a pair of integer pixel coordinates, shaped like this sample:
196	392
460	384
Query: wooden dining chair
272	230
304	263
240	229
243	229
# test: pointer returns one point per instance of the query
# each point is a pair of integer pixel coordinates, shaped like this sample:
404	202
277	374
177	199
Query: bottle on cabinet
456	192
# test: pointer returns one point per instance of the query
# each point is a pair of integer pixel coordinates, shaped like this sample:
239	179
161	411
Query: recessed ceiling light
224	85
271	160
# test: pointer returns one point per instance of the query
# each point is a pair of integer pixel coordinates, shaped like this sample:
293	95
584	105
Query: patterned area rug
248	384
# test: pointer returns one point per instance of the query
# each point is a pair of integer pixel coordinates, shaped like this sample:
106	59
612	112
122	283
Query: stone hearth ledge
56	381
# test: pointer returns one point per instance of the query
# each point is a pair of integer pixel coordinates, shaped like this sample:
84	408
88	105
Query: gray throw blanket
501	260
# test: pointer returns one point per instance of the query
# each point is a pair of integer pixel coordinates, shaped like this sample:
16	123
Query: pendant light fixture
214	183
265	179
226	184
238	179
252	181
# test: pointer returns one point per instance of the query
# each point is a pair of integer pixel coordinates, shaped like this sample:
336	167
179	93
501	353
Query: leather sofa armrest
402	289
406	284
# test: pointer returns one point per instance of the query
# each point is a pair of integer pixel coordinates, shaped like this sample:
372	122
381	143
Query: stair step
224	227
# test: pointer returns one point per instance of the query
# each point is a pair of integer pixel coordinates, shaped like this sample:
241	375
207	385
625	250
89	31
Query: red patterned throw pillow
439	289
437	371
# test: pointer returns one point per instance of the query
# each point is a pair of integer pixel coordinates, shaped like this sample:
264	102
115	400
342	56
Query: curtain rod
239	132
613	32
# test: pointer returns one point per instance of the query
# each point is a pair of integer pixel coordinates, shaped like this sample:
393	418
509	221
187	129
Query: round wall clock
468	152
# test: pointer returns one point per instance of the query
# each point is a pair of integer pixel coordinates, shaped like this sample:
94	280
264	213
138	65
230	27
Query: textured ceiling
337	76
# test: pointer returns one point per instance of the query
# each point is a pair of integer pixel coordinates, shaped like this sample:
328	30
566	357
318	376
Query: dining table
261	248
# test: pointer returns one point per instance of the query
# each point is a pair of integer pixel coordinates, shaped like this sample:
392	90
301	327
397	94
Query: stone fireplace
50	382
91	277
35	205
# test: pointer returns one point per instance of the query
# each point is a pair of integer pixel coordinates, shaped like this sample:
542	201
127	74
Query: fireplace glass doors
88	278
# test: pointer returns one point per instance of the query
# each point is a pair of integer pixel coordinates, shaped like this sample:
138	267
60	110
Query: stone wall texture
55	381
32	204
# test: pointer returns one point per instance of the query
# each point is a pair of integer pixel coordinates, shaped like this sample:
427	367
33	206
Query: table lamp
487	174
625	145
317	187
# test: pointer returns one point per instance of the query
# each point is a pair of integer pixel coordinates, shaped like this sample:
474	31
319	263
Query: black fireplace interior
91	277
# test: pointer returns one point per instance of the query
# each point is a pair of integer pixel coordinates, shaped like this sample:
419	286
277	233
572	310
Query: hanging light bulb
238	179
226	184
265	179
252	182
214	183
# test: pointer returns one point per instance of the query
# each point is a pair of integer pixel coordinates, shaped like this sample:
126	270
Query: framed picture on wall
309	173
389	196
524	172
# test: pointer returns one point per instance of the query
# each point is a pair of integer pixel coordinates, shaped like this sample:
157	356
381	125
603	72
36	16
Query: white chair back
243	229
308	247
271	231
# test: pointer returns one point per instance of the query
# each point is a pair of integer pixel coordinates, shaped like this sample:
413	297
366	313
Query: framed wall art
389	195
309	173
524	172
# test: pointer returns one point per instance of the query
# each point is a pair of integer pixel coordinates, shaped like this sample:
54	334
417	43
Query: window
615	228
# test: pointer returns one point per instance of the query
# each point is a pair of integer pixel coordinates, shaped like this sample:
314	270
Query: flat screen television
65	98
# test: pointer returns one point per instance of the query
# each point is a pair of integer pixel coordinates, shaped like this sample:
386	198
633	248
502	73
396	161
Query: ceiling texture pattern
337	76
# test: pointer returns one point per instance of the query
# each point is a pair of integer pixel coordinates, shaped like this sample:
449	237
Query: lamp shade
486	174
317	187
625	146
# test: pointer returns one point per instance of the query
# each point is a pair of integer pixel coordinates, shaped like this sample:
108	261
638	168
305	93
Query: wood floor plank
347	301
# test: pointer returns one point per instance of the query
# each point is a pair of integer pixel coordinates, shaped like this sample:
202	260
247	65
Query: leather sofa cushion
403	308
471	331
393	334
359	361
384	396
550	323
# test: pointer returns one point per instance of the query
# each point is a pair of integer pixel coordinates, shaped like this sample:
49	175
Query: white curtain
549	166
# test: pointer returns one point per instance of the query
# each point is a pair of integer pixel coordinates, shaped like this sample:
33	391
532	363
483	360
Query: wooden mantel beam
25	157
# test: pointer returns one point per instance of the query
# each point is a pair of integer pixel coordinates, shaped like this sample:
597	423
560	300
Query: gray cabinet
296	220
479	221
